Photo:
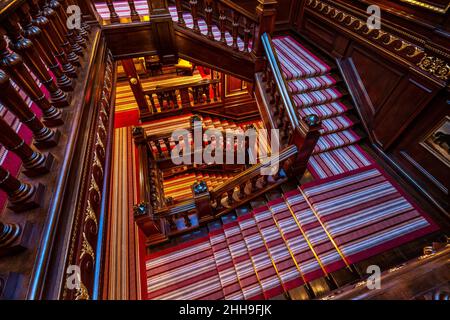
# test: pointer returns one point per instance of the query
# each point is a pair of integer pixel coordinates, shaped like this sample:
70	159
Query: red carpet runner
319	228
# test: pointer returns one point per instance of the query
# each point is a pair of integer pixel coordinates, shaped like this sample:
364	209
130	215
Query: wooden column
86	10
12	63
179	7
194	13
34	162
208	18
21	196
113	16
266	11
136	87
30	54
43	49
133	12
48	37
235	29
162	30
11	99
57	34
72	34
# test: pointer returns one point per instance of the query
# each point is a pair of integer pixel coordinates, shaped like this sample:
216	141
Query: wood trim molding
415	54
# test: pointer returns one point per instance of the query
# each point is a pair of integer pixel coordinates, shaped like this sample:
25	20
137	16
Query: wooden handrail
242	11
252	172
203	82
272	59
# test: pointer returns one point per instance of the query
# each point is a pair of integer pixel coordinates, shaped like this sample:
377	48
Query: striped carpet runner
314	91
319	228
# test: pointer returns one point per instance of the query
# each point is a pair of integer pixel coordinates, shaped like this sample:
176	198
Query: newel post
305	137
266	12
202	200
162	31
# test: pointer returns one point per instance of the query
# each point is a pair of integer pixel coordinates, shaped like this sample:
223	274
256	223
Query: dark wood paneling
379	79
130	40
428	170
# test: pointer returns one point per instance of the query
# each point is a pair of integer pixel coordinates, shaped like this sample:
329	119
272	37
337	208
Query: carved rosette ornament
435	66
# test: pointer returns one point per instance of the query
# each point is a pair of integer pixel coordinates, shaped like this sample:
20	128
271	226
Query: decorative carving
82	293
412	52
86	248
435	66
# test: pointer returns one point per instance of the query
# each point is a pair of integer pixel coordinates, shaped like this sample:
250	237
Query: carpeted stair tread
260	257
297	61
335	124
225	267
366	212
246	273
325	111
321	245
289	274
338	161
311	84
336	140
295	240
317	97
184	272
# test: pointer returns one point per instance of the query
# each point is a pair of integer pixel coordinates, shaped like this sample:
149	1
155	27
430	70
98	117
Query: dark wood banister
274	63
252	172
242	11
159	89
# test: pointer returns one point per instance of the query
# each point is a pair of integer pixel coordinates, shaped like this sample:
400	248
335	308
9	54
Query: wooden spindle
34	33
222	26
48	38
215	93
21	196
84	30
181	22
10	234
29	53
241	193
43	136
208	18
235	29
56	33
185	99
187	220
230	199
247	34
113	16
133	12
72	34
194	13
34	162
12	63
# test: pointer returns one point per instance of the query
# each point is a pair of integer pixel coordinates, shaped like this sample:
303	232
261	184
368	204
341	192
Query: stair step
298	86
336	140
225	267
246	273
325	111
321	245
338	161
189	273
261	259
296	61
335	124
295	240
317	97
289	274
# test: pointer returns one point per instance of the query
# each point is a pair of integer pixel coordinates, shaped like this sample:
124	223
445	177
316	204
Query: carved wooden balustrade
278	110
39	58
180	99
159	224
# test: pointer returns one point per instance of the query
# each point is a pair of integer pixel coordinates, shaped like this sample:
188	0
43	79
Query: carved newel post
202	202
